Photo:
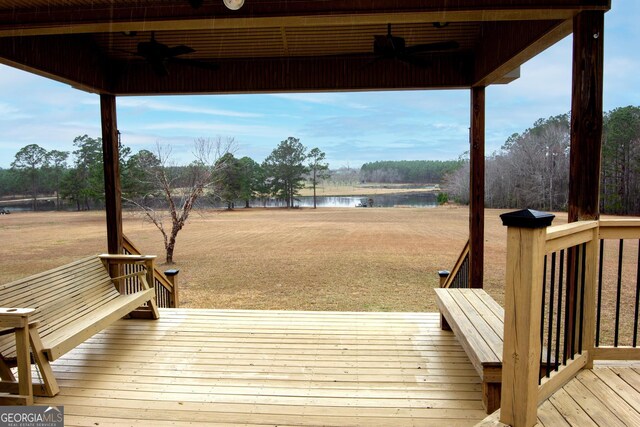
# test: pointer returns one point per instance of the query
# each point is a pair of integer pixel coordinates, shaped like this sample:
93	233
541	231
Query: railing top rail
559	231
457	265
627	228
620	222
565	236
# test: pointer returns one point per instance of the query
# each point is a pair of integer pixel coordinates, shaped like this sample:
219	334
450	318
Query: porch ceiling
269	45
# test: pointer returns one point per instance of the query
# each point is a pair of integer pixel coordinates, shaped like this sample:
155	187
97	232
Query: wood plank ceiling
271	45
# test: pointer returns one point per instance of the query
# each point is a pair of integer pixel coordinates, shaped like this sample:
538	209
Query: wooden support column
476	189
111	159
586	116
586	135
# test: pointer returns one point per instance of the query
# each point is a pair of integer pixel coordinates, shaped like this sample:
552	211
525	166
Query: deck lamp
233	4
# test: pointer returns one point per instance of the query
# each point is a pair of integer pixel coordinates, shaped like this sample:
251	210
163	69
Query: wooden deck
604	396
210	367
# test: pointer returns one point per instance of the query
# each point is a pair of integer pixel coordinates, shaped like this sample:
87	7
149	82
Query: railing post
444	274
172	276
526	239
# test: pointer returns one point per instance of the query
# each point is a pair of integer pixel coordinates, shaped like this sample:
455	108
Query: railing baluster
619	292
573	306
542	306
583	267
566	316
599	304
635	317
559	314
550	326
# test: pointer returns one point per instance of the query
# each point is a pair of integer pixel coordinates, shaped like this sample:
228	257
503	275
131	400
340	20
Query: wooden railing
165	286
458	277
553	308
616	291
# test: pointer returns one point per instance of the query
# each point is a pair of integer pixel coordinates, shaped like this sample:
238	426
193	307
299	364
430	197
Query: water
414	200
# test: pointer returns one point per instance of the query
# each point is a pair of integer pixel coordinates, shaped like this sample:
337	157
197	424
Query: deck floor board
242	367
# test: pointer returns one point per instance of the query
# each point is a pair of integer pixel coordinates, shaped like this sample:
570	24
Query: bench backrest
60	296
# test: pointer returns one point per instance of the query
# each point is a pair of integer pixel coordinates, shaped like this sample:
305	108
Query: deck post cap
171	272
443	273
527	218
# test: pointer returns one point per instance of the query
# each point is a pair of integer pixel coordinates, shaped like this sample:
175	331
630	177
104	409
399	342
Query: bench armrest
15	317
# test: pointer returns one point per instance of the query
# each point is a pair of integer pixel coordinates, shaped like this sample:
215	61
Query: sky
351	128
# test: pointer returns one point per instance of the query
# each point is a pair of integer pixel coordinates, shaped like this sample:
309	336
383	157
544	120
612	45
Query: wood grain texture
228	367
586	116
476	188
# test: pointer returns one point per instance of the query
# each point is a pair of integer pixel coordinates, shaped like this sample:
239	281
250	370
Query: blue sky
352	128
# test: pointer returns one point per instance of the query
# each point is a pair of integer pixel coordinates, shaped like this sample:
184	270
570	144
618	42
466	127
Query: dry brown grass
378	259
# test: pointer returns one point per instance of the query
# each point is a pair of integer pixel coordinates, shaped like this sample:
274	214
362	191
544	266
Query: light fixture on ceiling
440	24
233	4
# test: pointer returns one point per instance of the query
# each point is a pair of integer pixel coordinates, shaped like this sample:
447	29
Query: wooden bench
478	323
72	303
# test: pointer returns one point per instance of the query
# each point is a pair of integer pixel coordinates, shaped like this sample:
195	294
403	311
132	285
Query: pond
414	200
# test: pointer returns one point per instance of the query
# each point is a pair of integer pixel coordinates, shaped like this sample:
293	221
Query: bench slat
478	323
479	352
495	322
63	340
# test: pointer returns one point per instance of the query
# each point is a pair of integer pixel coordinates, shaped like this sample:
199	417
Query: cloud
182	108
9	112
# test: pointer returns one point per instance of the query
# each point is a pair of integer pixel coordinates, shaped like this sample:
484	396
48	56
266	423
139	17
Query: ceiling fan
159	54
389	46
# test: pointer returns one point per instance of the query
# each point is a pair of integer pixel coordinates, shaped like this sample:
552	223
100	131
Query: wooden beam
178	15
586	117
476	188
295	74
507	45
112	191
72	60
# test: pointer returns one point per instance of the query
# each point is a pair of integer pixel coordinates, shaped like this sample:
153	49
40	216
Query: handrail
166	291
460	267
553	287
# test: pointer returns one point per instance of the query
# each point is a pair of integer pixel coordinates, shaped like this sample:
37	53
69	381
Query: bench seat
72	303
478	322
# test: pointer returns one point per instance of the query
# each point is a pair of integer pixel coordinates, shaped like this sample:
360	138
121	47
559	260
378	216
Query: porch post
586	135
586	116
112	191
476	189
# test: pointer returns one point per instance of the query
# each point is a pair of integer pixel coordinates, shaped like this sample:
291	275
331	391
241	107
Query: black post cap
443	273
527	218
171	272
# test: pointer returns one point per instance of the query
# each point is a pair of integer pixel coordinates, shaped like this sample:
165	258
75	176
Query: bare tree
179	187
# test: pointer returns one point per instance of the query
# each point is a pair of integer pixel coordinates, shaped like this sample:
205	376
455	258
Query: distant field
326	259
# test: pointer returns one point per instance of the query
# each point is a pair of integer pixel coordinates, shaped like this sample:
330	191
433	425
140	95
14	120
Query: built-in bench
478	322
70	304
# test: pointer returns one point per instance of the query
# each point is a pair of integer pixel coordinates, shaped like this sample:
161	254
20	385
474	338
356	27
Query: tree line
78	176
408	171
532	168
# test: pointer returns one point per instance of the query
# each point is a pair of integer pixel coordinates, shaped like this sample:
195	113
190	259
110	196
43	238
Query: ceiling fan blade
414	60
179	50
159	68
194	63
431	47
